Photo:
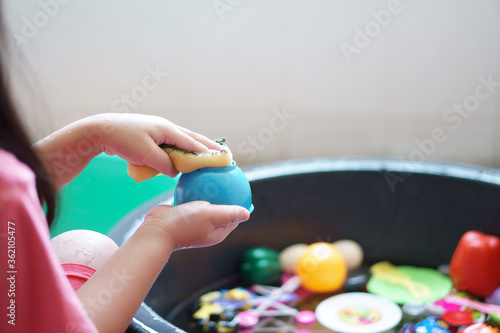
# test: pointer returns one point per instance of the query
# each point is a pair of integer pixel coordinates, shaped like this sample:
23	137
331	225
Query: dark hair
13	136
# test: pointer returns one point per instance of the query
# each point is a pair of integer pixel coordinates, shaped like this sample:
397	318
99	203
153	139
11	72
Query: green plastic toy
261	265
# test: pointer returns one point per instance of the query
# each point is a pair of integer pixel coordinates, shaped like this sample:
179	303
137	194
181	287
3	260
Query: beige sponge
184	162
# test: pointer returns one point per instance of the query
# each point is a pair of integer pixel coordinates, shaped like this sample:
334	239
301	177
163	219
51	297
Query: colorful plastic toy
483	307
351	251
474	264
225	186
269	309
258	308
428	325
261	265
217	309
358	313
431	325
494	298
289	257
457	318
386	271
493	320
479	328
321	268
456	302
407	284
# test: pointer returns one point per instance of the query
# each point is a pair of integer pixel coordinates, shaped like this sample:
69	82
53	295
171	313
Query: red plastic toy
474	266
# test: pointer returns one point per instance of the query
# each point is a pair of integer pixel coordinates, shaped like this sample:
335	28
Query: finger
186	142
217	215
158	159
210	144
223	215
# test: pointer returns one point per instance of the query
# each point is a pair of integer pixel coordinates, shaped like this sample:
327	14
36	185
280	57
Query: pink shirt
35	294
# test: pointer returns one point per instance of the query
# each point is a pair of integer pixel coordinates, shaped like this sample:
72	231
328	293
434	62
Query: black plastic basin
405	213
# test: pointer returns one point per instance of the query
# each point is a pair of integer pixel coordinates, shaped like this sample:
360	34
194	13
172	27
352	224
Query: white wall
233	65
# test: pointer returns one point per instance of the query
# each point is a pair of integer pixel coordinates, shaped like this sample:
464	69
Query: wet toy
351	251
356	279
474	264
404	284
77	274
389	273
479	328
414	312
443	305
431	325
408	328
271	310
261	265
493	320
290	256
223	186
494	298
455	304
217	309
457	318
321	268
483	307
358	313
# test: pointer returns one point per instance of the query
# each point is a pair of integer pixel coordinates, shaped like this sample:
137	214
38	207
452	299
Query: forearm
114	293
69	150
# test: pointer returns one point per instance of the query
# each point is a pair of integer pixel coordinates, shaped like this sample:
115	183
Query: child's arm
133	137
114	293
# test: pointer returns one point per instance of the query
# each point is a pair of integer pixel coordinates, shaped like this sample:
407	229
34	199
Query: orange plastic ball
321	268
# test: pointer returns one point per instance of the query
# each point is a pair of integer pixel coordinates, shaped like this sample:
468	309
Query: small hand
133	137
195	224
136	138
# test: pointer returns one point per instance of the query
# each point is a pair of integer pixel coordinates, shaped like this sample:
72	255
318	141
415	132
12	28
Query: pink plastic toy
483	307
247	319
267	308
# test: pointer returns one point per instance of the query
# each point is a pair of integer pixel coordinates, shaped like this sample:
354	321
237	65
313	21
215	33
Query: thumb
215	215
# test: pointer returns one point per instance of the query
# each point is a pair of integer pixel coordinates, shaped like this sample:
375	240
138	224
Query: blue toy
428	325
222	186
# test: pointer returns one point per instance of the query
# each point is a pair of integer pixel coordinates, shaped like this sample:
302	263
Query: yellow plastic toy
386	271
321	268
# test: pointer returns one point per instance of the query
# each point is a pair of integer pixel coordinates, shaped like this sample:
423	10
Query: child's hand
136	138
133	137
195	224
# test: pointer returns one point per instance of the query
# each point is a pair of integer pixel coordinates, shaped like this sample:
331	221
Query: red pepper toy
475	264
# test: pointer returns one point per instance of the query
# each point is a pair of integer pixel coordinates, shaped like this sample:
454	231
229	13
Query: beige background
233	65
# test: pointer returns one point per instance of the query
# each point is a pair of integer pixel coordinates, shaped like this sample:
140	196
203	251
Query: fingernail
244	216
